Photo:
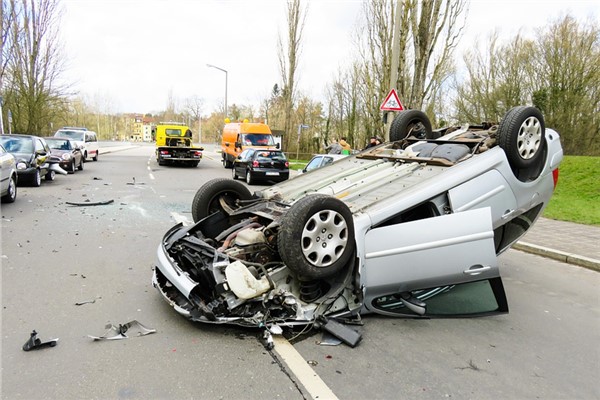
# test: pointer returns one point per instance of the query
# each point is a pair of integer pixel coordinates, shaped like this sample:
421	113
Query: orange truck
238	136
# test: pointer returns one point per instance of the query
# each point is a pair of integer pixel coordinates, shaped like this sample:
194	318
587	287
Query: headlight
66	156
21	165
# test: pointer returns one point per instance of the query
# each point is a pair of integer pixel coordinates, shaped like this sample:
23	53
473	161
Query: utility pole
395	58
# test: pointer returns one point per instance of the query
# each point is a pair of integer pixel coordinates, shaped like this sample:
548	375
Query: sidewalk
564	241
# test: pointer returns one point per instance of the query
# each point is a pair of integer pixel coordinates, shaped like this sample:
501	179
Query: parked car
8	176
261	165
321	160
67	152
32	156
85	139
411	228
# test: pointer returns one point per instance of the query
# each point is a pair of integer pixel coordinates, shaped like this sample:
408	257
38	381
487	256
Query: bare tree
33	93
288	61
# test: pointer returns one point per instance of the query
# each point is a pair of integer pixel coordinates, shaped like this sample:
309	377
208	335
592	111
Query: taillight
255	164
198	153
555	177
163	152
287	164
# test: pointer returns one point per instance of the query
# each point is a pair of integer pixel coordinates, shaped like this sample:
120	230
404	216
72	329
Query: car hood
23	156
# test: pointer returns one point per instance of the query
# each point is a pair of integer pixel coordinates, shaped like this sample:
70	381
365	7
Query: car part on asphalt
89	203
33	343
121	331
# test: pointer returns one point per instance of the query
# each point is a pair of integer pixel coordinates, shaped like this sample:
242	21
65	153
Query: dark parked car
261	165
8	176
32	155
67	152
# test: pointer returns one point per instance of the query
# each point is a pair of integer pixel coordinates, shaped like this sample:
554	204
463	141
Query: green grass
297	164
577	196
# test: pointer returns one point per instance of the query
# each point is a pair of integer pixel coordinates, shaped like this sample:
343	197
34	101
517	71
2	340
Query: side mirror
238	145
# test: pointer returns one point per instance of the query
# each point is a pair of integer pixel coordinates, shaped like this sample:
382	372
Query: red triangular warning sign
391	102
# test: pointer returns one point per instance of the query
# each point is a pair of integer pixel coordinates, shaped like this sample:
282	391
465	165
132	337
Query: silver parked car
8	176
410	228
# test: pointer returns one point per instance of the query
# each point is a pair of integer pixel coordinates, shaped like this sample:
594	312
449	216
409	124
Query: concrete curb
568	258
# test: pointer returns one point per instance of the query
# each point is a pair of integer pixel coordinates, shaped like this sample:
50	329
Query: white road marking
151	176
303	372
180	218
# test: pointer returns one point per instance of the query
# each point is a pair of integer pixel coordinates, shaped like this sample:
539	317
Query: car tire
36	179
80	165
208	198
411	123
85	157
249	179
72	167
50	175
227	163
11	193
522	136
95	158
233	174
316	238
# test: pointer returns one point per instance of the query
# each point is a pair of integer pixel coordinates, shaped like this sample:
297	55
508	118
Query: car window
313	164
327	161
2	151
39	145
59	144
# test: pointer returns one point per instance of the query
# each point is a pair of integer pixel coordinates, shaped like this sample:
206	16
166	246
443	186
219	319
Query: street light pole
221	69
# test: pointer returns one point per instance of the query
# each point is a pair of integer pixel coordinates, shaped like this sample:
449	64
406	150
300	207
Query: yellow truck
237	136
174	145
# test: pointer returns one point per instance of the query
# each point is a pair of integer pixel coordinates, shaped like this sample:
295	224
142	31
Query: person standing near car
372	143
346	148
334	147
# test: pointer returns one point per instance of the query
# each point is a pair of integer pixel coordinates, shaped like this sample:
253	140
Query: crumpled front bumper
166	270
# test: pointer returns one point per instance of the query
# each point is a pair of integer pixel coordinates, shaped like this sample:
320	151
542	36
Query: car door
241	162
5	168
449	256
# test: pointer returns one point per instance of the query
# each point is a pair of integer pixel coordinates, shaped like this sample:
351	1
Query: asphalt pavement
568	242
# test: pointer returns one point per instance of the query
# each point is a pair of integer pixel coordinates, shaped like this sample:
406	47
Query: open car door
438	266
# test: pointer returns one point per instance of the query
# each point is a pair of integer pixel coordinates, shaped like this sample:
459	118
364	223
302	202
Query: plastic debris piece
33	343
267	340
90	203
119	332
85	302
328	339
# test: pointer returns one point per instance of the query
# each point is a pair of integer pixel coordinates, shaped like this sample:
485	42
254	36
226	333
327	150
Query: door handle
476	269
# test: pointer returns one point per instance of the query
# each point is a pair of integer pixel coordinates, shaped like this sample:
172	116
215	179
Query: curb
565	257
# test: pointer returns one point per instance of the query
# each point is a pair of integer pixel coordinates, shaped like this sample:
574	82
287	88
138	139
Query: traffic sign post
391	102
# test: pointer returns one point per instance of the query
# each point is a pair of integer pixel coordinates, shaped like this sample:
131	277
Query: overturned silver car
410	228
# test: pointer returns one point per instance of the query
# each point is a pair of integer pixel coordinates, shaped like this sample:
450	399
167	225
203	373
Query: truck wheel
217	195
411	123
522	136
316	238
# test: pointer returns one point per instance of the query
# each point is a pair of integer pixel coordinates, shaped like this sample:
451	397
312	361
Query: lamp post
221	69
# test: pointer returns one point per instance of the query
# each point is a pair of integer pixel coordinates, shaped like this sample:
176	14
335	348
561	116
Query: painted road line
303	372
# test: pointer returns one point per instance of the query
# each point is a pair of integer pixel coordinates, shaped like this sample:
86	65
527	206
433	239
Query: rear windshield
270	155
257	139
75	135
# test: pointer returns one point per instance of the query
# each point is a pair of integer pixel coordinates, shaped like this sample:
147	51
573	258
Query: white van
86	140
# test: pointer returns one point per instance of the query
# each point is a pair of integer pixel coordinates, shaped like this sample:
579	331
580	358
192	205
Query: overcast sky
135	52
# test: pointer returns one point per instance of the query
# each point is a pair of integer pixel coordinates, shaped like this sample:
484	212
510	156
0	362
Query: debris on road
116	333
85	302
33	343
90	203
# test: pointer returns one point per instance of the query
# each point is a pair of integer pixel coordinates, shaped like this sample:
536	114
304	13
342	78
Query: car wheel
36	180
95	158
249	179
521	135
80	165
72	167
11	194
411	123
85	157
217	195
316	238
227	163
50	175
233	174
